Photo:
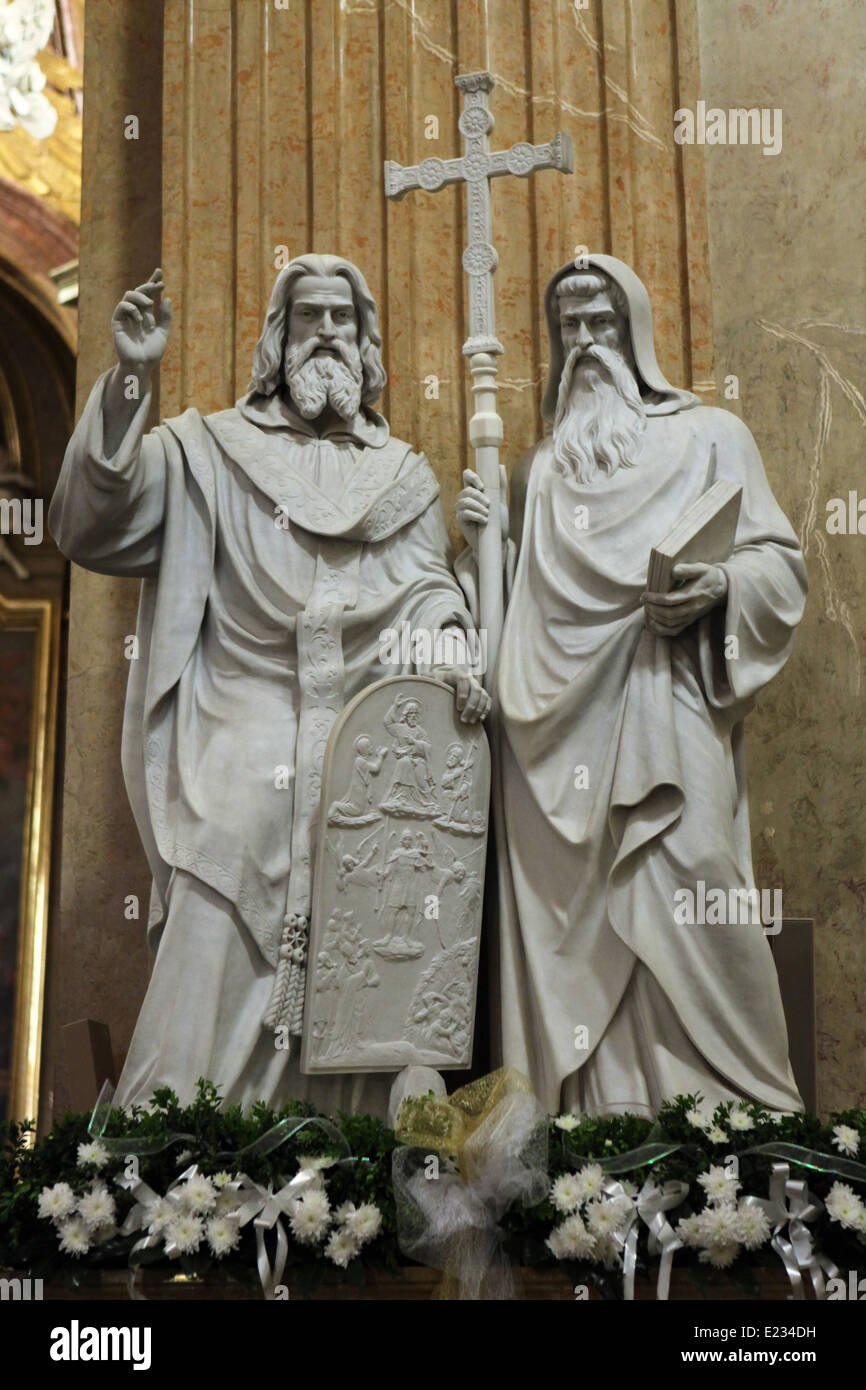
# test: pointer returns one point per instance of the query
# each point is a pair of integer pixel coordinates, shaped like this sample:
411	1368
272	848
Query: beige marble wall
97	961
788	267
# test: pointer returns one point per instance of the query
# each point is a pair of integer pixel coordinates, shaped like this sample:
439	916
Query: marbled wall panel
97	959
788	259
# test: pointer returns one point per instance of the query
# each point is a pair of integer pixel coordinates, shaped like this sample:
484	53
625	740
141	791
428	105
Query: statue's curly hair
585	284
267	373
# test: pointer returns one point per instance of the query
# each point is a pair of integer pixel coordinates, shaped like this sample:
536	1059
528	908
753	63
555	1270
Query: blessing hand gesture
141	327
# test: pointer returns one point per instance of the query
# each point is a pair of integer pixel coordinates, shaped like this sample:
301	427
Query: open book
703	534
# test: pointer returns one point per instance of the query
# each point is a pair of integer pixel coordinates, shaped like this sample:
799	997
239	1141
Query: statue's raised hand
473	507
141	326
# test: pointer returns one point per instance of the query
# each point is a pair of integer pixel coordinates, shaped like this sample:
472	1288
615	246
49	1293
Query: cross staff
476	168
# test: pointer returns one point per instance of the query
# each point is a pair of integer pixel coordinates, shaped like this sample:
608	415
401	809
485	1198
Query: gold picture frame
42	617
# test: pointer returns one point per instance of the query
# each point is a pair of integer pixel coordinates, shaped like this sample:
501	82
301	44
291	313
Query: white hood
660	398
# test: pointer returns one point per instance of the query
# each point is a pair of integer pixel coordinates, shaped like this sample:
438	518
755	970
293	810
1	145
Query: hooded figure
632	964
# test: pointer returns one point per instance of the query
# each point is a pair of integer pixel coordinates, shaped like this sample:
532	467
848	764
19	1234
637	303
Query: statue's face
600	415
322	309
591	322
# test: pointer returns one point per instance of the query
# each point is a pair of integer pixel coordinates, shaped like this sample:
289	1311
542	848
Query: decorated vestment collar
368	428
271	444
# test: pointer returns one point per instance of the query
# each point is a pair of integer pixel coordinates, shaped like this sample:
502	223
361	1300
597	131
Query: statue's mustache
297	354
609	359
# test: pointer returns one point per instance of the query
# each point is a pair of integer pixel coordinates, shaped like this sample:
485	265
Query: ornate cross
476	168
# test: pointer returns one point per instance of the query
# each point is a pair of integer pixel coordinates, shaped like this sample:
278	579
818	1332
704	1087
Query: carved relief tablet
398	884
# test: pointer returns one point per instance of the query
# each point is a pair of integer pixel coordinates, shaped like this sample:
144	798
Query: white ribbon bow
790	1204
267	1208
137	1217
259	1204
650	1206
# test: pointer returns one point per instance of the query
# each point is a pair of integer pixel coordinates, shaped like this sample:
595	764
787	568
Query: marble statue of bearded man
620	778
276	541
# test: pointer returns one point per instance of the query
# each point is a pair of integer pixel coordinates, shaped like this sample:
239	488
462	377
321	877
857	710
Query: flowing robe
607	1001
271	560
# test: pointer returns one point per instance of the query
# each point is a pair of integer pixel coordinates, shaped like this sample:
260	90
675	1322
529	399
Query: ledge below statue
412	1284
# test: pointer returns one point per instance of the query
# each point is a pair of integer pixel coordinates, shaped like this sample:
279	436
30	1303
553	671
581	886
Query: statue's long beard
315	382
600	416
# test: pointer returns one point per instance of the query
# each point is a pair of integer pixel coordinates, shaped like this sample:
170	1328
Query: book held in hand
704	534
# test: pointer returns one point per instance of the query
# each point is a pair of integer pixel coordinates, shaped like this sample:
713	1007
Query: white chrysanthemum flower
158	1214
567	1122
365	1223
605	1217
184	1158
198	1194
223	1235
717	1135
740	1120
94	1154
753	1225
702	1113
57	1202
96	1208
843	1205
186	1231
591	1179
719	1186
606	1252
227	1203
343	1212
720	1225
566	1193
720	1256
578	1240
847	1140
341	1247
699	1118
311	1217
688	1229
316	1200
221	1180
74	1236
556	1244
571	1240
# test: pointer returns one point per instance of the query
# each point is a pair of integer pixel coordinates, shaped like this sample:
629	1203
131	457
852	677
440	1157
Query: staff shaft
485	436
